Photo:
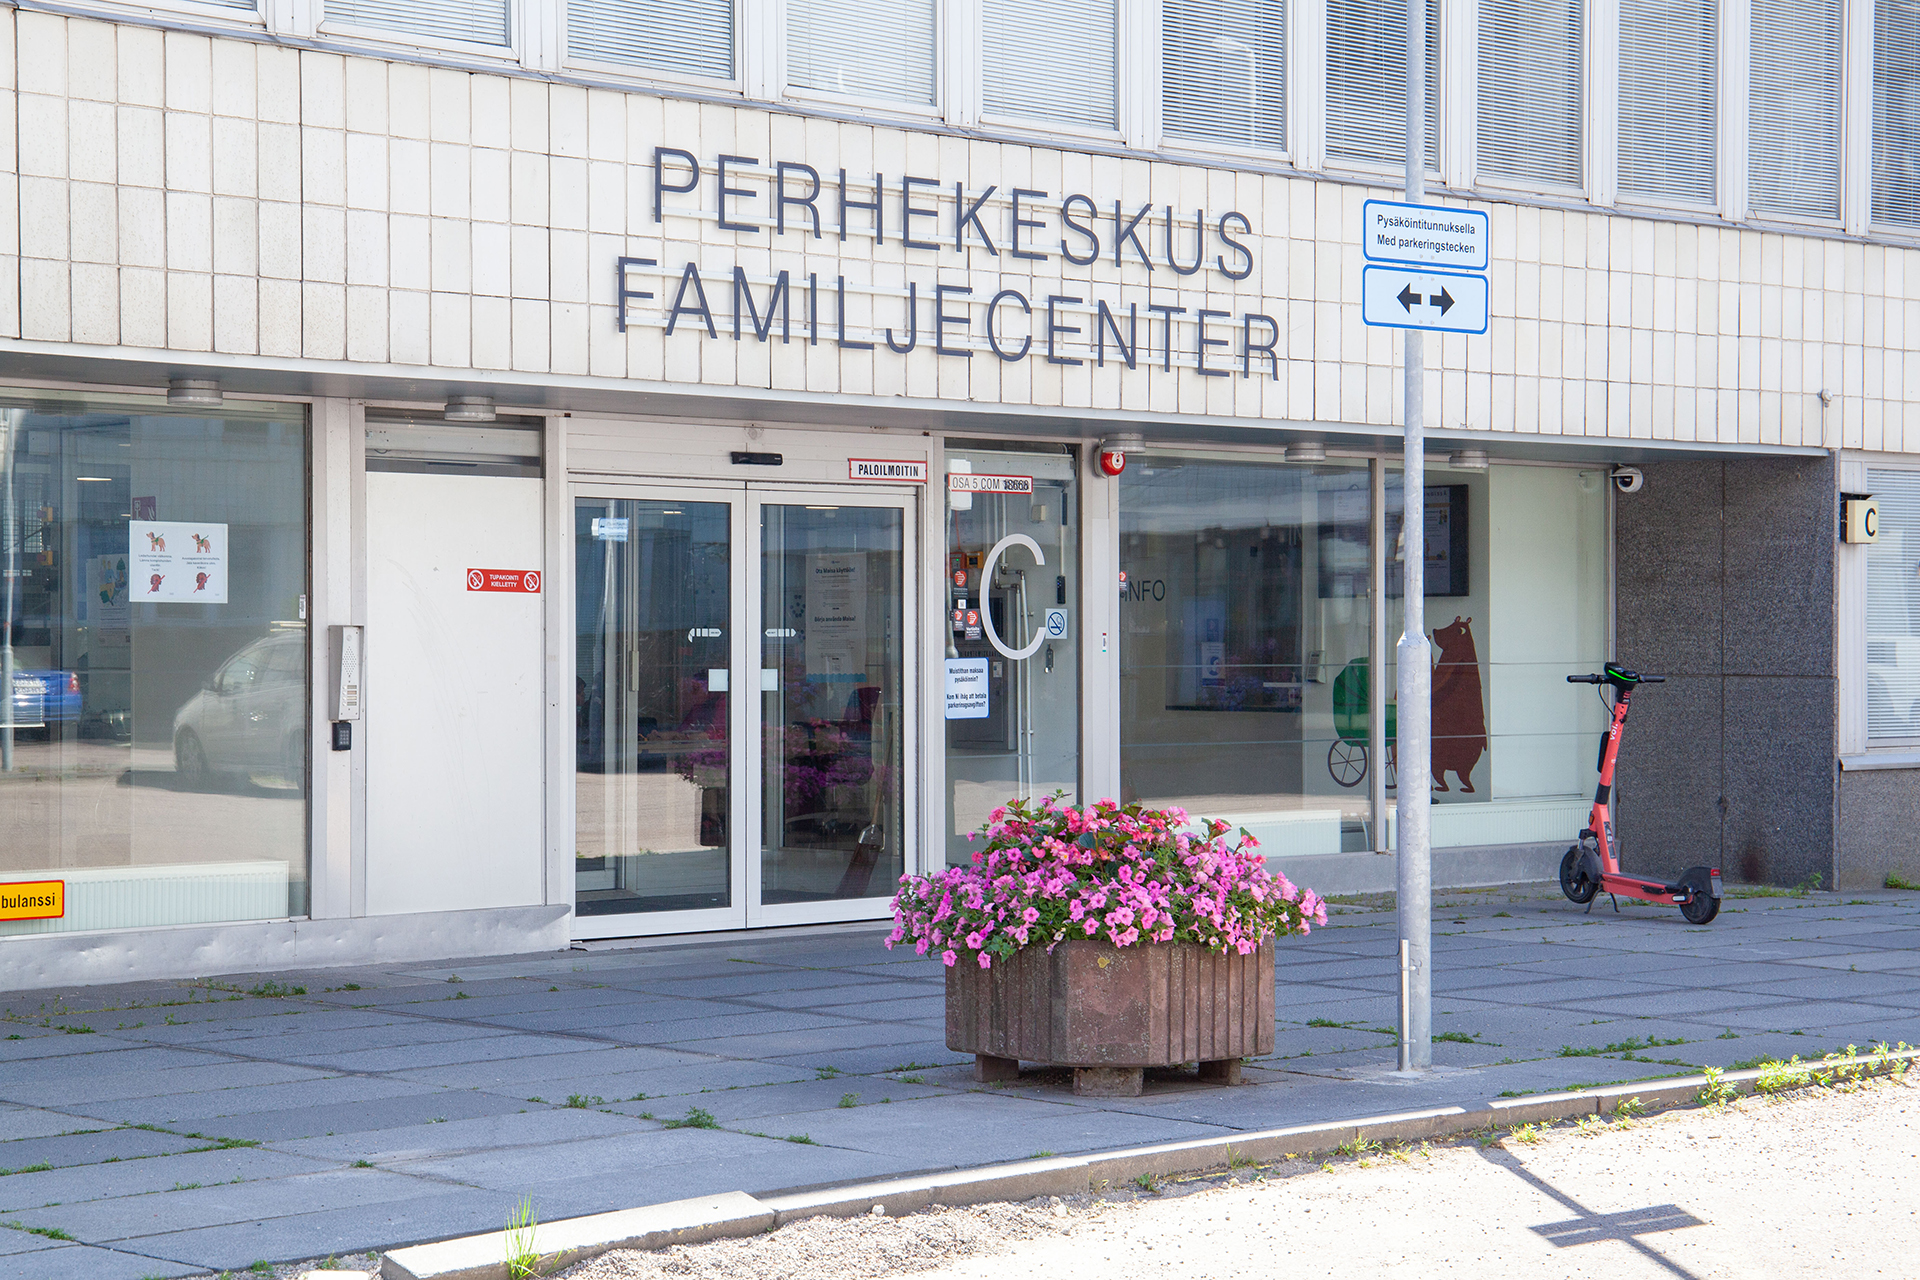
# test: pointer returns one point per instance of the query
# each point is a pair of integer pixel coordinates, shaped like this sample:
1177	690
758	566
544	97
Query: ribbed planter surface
1091	1005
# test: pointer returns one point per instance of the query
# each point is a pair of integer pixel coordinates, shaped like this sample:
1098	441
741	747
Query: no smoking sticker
518	581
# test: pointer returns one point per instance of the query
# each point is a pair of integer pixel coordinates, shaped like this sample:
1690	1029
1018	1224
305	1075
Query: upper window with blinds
686	37
1530	129
879	49
1051	60
464	21
1367	81
1793	156
1669	66
1223	72
1893	608
1896	112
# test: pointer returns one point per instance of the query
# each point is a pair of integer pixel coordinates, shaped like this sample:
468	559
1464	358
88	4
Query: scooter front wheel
1573	881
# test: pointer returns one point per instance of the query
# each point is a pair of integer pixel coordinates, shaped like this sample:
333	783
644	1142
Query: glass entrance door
742	710
655	602
833	707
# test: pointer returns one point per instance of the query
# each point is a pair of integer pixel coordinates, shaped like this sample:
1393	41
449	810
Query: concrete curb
736	1214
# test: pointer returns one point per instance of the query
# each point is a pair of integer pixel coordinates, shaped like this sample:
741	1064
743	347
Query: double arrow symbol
1409	299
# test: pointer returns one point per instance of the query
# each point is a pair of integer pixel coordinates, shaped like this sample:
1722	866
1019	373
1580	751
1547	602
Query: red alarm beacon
1112	462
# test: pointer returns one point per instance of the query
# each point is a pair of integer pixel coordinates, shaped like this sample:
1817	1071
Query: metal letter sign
1408	298
1424	235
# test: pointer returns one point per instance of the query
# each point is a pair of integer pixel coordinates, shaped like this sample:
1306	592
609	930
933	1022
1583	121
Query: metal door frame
746	746
899	499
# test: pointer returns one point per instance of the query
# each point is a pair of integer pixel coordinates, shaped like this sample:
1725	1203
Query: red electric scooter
1594	864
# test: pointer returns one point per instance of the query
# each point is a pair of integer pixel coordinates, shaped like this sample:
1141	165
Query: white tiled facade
237	201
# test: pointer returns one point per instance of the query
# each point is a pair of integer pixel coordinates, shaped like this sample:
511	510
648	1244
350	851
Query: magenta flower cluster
1126	875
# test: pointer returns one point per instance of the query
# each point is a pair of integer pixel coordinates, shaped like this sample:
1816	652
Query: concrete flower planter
1109	1012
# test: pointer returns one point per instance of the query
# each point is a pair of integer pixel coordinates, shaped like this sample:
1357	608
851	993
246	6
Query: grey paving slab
431	1107
108	1221
514	1075
843	996
442	1212
107	1058
78	1088
475	1046
31	1122
1835	986
86	1262
628	1010
1810	1017
91	1148
610	1157
139	1177
496	1133
246	1099
876	1059
743	1105
320	1045
658	1082
781	1044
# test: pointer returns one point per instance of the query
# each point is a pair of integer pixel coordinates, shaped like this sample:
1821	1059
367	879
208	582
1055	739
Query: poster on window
836	617
177	561
105	606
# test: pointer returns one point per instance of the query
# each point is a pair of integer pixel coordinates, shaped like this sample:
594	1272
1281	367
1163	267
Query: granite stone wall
1725	584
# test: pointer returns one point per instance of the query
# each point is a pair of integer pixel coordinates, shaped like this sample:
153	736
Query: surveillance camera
1628	479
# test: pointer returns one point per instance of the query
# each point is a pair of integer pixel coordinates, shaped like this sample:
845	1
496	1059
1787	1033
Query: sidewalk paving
172	1128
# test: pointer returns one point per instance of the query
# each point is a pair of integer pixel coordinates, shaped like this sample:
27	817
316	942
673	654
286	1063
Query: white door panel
454	700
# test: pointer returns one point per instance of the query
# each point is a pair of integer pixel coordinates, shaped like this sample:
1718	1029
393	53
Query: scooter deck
1644	890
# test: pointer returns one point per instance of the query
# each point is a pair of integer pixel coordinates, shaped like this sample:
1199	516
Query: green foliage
581	1101
1897	881
696	1118
849	1099
1715	1092
523	1260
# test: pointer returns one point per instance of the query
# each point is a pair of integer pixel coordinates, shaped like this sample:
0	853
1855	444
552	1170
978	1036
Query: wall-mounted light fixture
1307	451
1468	459
469	409
194	393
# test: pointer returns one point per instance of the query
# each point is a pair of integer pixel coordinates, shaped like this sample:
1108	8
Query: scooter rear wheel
1573	881
1700	909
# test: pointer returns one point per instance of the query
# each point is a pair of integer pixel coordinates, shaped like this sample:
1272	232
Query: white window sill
1908	759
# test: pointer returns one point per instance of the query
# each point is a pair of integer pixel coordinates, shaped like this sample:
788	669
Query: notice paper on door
837	617
177	560
967	689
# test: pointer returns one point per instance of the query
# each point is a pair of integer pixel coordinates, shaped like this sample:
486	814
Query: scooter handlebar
1629	678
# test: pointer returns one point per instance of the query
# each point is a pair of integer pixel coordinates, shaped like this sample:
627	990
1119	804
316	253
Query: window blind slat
1223	71
1530	127
1893	608
473	21
1794	108
866	48
1367	81
1669	66
1896	112
1051	60
691	37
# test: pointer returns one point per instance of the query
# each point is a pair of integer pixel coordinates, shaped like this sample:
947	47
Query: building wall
1879	813
1725	584
254	203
